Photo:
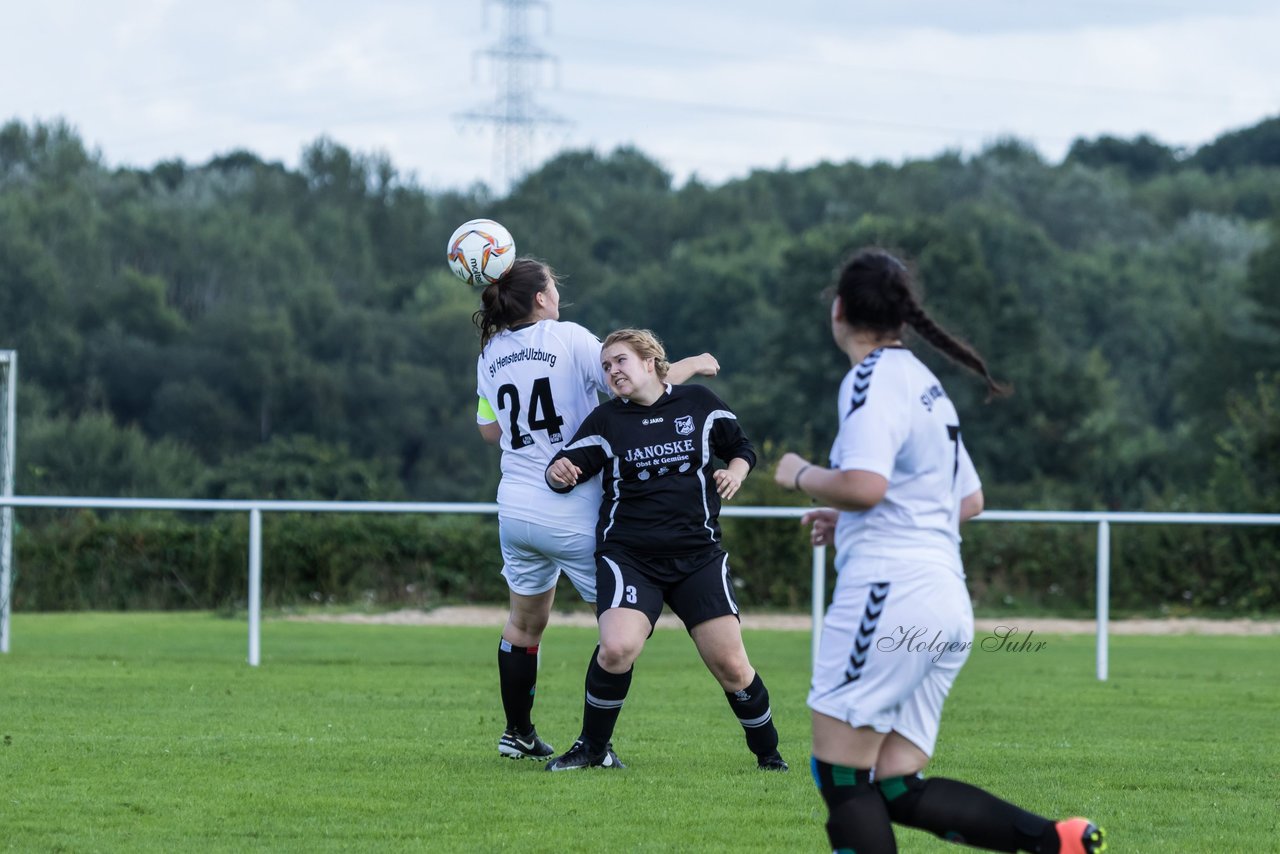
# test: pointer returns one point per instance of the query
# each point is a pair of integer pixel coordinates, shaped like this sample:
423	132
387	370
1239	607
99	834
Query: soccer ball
480	251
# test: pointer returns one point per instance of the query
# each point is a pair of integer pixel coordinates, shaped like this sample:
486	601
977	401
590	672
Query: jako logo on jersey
660	450
651	421
684	425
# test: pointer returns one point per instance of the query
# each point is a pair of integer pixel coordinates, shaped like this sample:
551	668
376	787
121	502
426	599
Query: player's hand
705	365
787	469
727	483
823	532
563	473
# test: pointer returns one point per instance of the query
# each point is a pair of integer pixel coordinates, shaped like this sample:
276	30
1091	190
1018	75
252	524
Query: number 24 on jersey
542	413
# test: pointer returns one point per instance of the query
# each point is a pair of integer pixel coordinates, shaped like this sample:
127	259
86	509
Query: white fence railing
256	508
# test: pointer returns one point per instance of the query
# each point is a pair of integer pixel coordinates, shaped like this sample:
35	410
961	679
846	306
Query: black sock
605	693
963	813
858	820
751	706
518	676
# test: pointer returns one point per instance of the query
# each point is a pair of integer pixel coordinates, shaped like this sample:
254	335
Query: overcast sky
714	88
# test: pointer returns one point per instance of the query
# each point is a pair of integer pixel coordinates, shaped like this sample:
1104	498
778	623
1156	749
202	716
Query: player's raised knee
618	654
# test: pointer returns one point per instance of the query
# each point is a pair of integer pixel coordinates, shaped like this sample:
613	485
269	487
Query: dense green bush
164	561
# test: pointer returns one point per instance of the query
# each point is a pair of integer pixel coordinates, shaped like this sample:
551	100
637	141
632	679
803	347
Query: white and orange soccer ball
480	251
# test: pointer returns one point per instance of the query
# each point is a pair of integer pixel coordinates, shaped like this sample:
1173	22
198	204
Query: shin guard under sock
605	694
963	813
518	678
858	820
751	707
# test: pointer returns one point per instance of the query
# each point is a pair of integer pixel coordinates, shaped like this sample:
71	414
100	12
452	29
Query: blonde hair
645	344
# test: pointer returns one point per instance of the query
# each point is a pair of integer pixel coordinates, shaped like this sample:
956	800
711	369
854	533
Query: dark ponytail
878	295
510	300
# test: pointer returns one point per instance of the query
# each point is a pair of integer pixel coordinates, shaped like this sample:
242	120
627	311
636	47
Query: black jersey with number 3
659	493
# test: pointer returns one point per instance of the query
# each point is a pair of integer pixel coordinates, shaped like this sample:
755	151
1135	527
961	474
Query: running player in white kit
901	482
537	378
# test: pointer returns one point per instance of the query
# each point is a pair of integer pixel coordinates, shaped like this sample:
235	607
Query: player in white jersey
537	378
900	625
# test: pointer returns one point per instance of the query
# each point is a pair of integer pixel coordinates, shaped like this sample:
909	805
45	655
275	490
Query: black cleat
524	746
580	757
773	762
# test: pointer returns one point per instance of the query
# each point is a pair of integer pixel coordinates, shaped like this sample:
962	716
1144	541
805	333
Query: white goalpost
8	422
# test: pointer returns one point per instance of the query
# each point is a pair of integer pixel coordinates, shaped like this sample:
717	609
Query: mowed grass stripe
148	732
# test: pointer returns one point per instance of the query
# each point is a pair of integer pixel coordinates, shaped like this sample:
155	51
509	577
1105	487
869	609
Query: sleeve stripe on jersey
862	380
596	440
706	458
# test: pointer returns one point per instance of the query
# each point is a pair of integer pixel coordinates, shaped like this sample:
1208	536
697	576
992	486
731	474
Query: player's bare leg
623	632
898	757
528	617
719	642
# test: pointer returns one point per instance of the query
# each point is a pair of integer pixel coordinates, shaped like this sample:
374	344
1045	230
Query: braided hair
645	344
878	295
510	300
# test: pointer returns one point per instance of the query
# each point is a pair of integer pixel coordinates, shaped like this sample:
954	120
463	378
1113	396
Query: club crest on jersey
684	425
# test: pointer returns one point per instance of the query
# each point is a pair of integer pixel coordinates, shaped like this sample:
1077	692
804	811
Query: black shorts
697	587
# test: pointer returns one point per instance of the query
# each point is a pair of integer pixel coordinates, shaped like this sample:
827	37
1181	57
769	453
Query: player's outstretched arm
844	490
703	365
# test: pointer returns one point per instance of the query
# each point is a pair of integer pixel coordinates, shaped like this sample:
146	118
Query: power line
611	49
790	116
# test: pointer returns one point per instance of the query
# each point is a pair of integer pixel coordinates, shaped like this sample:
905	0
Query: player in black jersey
658	539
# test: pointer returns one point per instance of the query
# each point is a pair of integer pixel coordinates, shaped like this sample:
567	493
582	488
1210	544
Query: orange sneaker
1080	836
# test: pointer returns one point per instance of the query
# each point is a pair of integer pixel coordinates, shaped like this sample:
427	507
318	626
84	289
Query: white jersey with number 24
540	381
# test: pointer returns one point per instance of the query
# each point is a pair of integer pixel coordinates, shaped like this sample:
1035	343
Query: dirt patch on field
470	615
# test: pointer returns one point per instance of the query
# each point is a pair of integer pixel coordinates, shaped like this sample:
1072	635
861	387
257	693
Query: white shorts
533	557
890	650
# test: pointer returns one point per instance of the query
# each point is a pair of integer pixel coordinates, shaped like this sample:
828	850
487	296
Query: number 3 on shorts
630	591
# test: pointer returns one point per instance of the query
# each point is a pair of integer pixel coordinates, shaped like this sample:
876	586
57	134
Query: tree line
241	329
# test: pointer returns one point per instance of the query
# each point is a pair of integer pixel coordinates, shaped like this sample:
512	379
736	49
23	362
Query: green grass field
148	732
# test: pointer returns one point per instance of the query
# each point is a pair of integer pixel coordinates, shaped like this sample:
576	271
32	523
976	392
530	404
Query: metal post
1104	594
6	513
255	586
819	596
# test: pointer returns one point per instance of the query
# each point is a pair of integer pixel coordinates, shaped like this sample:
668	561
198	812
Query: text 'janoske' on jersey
539	382
659	493
896	421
